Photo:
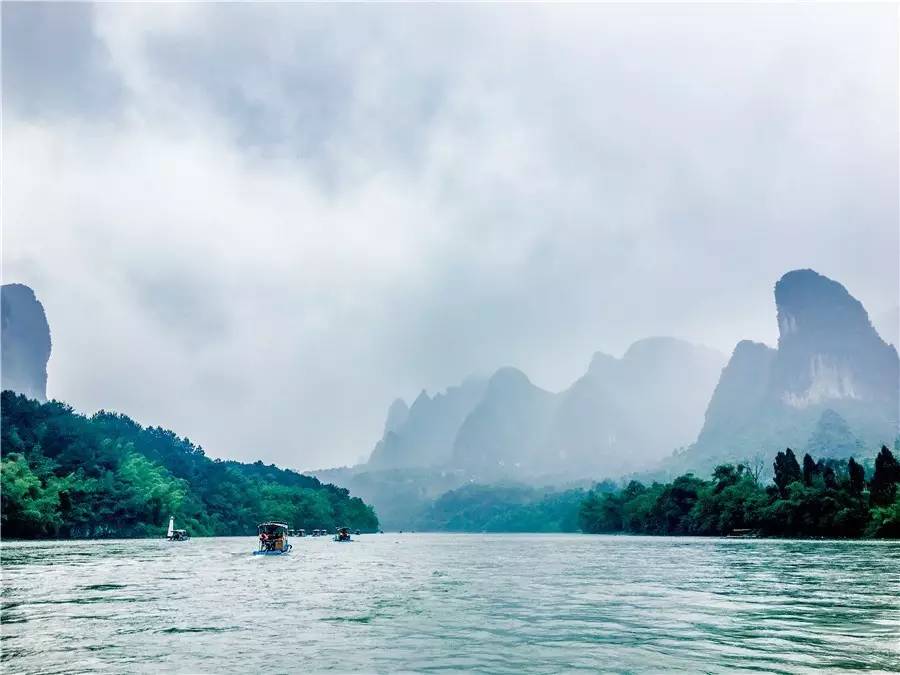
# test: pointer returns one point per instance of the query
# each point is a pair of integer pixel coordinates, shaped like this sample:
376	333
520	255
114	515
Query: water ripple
489	603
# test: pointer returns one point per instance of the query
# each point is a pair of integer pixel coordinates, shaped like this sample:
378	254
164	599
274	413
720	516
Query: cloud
258	224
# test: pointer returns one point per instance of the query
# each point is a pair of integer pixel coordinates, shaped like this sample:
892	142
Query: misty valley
668	440
478	337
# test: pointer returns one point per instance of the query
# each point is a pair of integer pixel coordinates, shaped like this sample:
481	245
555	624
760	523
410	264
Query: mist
261	233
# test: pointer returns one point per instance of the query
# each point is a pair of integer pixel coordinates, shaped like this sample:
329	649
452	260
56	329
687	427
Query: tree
883	486
726	475
29	507
826	470
857	477
810	470
787	471
755	466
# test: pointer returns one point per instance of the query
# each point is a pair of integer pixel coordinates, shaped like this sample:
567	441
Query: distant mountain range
830	387
25	342
620	416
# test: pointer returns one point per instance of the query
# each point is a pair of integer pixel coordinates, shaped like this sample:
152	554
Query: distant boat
273	539
742	533
176	535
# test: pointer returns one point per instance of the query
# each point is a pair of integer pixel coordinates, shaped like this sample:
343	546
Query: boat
742	533
343	534
273	539
176	535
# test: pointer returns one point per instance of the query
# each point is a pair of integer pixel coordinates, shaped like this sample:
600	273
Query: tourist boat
176	535
343	534
742	533
273	539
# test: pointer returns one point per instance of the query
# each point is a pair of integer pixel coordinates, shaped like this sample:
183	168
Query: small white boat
176	535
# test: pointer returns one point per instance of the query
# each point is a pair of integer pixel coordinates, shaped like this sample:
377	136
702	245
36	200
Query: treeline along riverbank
842	498
825	498
68	475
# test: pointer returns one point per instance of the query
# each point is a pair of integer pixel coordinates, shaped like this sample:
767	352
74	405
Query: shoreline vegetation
828	498
66	475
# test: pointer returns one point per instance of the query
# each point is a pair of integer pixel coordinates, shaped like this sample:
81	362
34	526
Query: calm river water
417	602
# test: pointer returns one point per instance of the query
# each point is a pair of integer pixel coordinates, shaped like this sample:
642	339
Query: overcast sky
259	224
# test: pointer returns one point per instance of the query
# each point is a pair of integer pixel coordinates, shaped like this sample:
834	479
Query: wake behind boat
273	539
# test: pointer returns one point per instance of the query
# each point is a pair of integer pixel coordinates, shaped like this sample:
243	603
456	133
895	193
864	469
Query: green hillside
68	475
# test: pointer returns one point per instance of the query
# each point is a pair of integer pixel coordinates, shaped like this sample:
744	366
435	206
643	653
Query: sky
258	224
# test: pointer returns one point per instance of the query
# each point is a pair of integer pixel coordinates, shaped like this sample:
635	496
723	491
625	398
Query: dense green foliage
64	474
505	508
828	498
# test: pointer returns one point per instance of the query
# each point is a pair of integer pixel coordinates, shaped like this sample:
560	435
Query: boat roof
273	523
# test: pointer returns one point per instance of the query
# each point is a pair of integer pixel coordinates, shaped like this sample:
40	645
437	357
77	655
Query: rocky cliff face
25	342
831	374
741	390
827	347
423	435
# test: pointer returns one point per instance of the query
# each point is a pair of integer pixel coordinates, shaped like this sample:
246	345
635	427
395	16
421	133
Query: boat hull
284	552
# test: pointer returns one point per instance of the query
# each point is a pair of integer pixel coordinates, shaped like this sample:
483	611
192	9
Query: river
417	602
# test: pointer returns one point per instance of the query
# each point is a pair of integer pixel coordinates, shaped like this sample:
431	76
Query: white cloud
289	214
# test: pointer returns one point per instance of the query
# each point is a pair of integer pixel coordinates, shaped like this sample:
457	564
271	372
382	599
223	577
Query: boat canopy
272	528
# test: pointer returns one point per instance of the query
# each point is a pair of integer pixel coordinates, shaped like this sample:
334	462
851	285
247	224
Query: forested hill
67	475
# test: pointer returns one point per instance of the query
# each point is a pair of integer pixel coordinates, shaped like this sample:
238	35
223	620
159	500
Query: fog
259	224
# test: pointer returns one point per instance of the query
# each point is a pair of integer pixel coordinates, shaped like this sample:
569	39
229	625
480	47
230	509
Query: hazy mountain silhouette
831	373
504	434
621	415
423	434
25	342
